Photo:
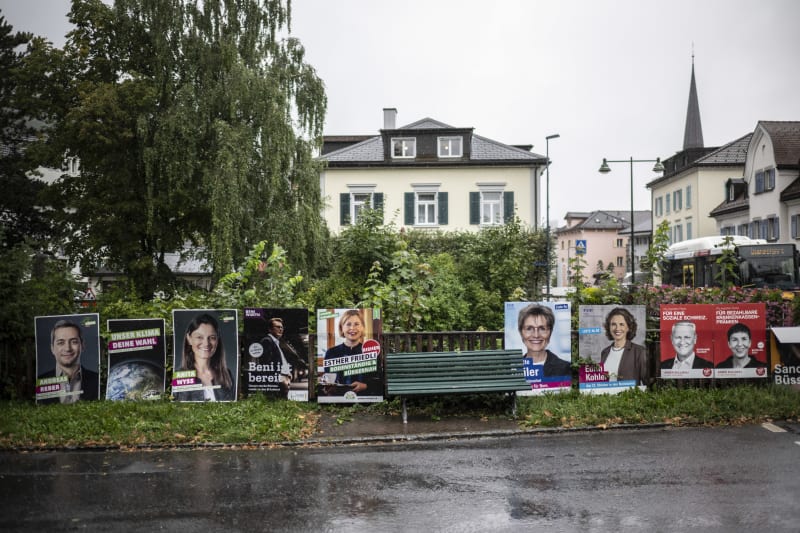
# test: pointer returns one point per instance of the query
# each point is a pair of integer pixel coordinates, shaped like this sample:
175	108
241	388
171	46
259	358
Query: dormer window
404	147
450	147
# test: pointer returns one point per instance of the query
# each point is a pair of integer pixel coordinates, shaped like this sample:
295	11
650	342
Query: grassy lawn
260	421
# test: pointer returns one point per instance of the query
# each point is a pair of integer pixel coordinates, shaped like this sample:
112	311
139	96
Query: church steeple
693	136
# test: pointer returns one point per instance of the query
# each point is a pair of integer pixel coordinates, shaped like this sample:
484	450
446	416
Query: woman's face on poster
618	328
739	343
353	329
535	333
204	341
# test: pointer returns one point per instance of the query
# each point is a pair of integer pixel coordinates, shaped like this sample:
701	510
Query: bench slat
454	372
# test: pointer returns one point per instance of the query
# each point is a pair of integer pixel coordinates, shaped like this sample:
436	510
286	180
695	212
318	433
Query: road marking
772	427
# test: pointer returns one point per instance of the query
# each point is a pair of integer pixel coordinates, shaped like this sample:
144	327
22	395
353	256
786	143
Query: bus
693	263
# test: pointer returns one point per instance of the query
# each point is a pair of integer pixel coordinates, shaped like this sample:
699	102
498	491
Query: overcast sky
611	77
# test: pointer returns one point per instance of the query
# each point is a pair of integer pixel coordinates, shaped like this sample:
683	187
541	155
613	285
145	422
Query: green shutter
442	199
344	209
378	199
508	206
409	208
474	208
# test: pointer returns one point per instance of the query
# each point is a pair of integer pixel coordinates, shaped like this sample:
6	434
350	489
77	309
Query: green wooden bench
431	373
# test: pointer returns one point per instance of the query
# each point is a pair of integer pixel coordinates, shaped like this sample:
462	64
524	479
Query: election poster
611	344
67	358
137	357
276	353
349	361
206	355
687	337
541	332
785	356
740	340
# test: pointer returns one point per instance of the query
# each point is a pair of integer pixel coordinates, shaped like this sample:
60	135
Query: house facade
692	186
607	236
694	178
764	201
429	175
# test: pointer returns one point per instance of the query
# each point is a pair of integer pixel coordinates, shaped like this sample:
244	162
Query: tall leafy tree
195	122
20	215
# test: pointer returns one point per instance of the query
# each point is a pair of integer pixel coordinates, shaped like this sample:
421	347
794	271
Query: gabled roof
785	136
482	149
733	153
609	220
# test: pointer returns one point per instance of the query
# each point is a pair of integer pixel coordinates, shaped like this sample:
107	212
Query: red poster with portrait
740	340
687	341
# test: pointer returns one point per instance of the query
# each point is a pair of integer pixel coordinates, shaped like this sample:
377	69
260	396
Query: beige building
691	189
694	179
429	175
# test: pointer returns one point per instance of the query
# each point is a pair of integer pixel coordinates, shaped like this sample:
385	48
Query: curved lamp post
605	169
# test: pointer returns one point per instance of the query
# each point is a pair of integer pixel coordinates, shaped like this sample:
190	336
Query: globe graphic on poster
135	380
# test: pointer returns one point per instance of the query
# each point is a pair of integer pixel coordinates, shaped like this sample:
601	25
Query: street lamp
547	206
605	169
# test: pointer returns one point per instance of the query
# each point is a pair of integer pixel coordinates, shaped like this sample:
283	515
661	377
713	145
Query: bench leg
405	414
514	406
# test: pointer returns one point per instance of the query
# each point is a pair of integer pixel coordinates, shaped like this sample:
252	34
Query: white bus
693	263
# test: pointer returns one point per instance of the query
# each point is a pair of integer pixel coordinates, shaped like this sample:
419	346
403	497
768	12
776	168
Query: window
358	202
731	192
689	230
659	206
619	261
619	243
742	230
450	147
677	200
404	147
667	196
677	233
491	205
769	179
773	229
491	208
793	221
353	203
689	197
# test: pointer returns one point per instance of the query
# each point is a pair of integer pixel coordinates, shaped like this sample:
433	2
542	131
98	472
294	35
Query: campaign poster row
206	356
698	341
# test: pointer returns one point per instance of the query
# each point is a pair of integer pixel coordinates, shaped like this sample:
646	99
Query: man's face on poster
67	347
276	328
684	338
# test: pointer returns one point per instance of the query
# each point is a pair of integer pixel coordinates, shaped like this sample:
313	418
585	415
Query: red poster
740	341
687	340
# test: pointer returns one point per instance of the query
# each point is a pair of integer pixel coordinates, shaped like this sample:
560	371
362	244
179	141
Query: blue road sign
580	247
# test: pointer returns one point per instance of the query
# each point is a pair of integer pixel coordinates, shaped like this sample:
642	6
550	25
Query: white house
764	201
434	176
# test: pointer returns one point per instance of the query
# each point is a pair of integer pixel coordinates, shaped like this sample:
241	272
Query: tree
195	122
20	216
656	252
728	264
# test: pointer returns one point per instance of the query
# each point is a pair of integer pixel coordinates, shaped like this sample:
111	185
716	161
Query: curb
340	441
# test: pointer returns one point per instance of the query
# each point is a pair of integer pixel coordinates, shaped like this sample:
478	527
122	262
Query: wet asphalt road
695	479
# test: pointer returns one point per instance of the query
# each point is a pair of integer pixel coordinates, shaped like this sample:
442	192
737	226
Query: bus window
688	275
